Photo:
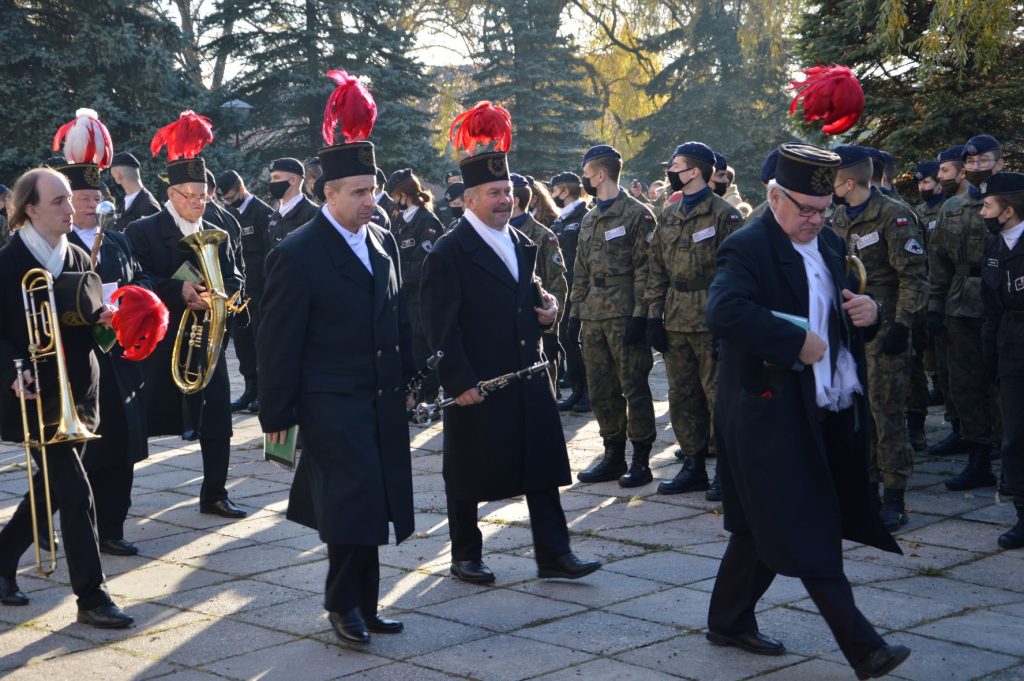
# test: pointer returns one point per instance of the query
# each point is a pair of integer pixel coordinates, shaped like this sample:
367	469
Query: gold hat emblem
365	156
822	180
92	175
195	170
497	166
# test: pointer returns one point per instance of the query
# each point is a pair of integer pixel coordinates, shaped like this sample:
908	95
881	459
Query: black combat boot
953	444
894	513
246	398
714	492
935	396
915	430
977	473
639	470
997	452
610	466
582	405
1014	539
692	477
574	397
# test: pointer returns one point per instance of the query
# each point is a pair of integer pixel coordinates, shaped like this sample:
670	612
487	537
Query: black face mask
676	182
720	189
993	225
839	200
589	188
456	211
559	201
976	177
927	194
278	189
950	187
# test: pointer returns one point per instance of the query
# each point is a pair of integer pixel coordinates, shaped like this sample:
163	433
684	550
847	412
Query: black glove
919	338
552	348
636	331
936	324
572	332
896	339
656	336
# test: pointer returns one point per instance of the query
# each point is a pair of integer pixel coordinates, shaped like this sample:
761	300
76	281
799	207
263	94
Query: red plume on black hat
184	138
352	106
482	125
831	94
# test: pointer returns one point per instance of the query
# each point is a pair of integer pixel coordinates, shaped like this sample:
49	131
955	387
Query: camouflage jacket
550	267
682	257
955	258
611	261
928	218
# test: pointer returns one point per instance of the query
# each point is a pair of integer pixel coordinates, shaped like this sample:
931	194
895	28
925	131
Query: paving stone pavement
216	599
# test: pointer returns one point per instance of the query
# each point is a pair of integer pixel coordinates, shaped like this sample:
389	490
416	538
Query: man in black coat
205	414
335	356
481	308
293	208
791	419
254	218
110	460
137	202
42	215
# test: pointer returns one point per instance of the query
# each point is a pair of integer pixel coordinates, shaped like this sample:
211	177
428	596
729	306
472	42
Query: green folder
283	454
104	336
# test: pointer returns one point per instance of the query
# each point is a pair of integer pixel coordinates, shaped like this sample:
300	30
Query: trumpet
45	341
198	343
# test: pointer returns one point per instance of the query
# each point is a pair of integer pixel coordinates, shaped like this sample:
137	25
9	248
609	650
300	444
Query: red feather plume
481	125
831	94
351	105
140	322
185	137
86	140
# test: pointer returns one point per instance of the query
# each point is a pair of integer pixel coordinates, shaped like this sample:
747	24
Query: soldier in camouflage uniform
550	267
682	257
608	301
956	258
884	234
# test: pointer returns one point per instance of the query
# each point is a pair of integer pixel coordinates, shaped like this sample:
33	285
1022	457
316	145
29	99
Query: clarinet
416	382
498	382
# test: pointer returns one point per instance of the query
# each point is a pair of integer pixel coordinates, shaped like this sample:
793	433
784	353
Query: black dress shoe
254	407
755	642
106	617
714	492
379	625
224	507
880	662
244	400
567	567
472	571
350	627
10	594
118	547
190	435
680	454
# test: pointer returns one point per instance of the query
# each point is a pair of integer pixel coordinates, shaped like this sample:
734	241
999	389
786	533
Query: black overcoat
123	427
83	369
142	206
334	357
155	242
254	222
778	482
484	322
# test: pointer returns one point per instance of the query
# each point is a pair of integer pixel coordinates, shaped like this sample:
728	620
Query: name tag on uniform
571	228
705	233
931	225
615	233
247	231
408	243
868	240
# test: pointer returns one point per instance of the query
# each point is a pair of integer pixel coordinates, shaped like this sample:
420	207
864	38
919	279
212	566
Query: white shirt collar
128	199
569	208
499	240
184	225
245	203
1012	236
356	240
409	212
286	206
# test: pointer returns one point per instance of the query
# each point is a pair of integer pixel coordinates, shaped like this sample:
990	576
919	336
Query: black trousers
112	492
575	372
547	523
353	579
216	454
743	579
1011	397
71	495
243	331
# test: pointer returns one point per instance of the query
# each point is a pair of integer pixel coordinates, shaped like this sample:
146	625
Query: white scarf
834	386
184	225
50	257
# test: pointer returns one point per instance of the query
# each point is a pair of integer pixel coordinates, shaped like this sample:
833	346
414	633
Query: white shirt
569	209
184	226
356	241
1012	236
129	198
409	212
287	206
500	242
245	203
378	197
88	237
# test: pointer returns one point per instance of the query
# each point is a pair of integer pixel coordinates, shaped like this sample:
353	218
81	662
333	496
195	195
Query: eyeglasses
192	198
805	210
980	163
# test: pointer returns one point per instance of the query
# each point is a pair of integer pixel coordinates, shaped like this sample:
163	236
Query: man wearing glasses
955	258
207	413
791	418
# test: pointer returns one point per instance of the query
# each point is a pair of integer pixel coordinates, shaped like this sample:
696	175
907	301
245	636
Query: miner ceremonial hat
806	169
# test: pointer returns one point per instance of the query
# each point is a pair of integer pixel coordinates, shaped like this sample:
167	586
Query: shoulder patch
426	246
902	222
431	231
734	217
556	258
553	240
648	217
913	246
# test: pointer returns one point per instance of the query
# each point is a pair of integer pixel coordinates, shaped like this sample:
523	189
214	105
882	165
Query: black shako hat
82	175
348	160
806	169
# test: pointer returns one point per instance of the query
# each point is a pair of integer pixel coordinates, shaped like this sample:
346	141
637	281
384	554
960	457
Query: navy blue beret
768	167
851	155
566	178
228	180
979	144
697	151
887	158
211	181
926	169
720	162
288	165
454	191
954	153
518	180
1002	183
396	178
4	188
600	151
123	158
55	162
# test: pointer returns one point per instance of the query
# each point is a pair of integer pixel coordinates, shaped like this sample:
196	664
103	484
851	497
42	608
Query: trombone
45	341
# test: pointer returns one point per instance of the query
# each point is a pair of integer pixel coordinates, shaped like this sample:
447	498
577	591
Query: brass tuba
44	342
198	343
